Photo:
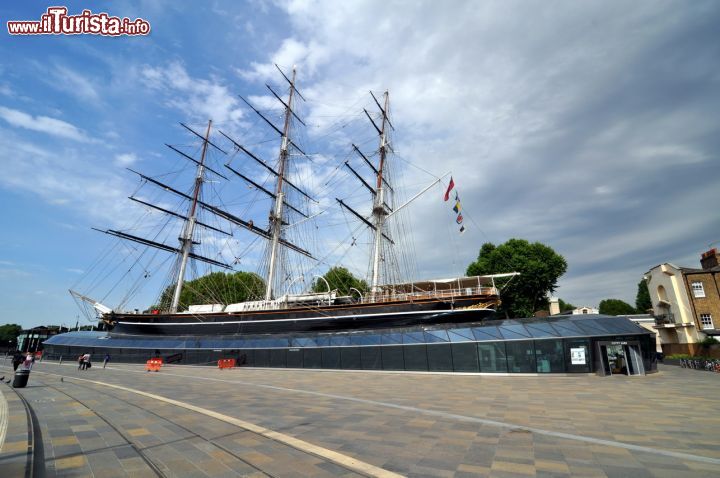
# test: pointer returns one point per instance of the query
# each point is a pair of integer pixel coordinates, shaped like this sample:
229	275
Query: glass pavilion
559	344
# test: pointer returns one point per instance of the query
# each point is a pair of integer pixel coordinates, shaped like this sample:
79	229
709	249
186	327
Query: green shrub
678	356
686	356
708	341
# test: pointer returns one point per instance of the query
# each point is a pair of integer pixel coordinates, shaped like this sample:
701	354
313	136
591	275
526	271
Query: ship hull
306	319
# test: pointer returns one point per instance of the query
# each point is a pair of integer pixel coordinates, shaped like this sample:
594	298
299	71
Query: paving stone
98	422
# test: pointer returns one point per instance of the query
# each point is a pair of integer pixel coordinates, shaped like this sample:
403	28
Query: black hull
327	318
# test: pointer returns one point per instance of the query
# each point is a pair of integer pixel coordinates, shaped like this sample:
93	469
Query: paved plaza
201	421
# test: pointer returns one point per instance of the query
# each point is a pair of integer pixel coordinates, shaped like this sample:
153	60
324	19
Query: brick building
703	287
686	303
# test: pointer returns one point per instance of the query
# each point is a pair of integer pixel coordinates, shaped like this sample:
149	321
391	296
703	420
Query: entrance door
635	363
617	360
605	362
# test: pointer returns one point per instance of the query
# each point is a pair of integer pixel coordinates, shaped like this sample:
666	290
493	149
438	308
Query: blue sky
591	127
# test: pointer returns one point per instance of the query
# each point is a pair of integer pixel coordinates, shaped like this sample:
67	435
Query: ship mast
379	212
186	241
277	211
278	224
196	203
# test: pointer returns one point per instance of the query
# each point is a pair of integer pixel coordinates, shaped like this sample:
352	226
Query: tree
341	279
642	299
615	307
539	266
564	306
9	334
216	288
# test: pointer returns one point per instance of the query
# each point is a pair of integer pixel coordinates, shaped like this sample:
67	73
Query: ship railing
383	297
389	296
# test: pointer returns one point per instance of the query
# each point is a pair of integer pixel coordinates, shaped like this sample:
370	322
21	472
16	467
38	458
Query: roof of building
688	270
554	327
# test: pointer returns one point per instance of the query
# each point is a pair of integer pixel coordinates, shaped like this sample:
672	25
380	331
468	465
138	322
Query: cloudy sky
589	126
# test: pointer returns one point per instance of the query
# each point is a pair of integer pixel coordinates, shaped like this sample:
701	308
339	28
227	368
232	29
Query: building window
706	321
698	289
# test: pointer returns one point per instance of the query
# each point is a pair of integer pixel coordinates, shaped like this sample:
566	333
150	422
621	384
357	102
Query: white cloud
10	273
669	154
197	98
43	124
126	159
64	178
292	52
559	126
589	126
70	81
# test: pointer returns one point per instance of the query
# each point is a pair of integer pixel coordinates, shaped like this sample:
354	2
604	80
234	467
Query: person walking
17	360
107	359
80	361
86	362
29	361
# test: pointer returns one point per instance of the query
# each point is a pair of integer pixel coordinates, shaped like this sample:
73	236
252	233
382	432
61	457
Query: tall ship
278	299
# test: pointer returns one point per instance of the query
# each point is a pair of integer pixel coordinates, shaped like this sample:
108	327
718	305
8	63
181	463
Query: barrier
153	365
226	363
174	358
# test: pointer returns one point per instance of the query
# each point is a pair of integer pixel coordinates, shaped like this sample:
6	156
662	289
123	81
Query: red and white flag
450	187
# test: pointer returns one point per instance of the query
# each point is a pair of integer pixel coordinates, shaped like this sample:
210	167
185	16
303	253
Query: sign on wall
577	356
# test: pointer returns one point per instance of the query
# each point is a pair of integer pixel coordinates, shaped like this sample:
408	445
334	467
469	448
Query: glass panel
413	338
212	344
295	358
312	358
322	341
302	342
392	338
567	328
365	339
541	330
330	358
521	357
261	358
439	358
284	343
415	357
436	336
577	355
370	358
550	356
621	326
591	327
340	340
514	332
244	358
392	358
460	335
350	358
278	358
486	333
492	357
465	357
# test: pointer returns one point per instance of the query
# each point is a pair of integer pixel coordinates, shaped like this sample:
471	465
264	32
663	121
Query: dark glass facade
565	344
